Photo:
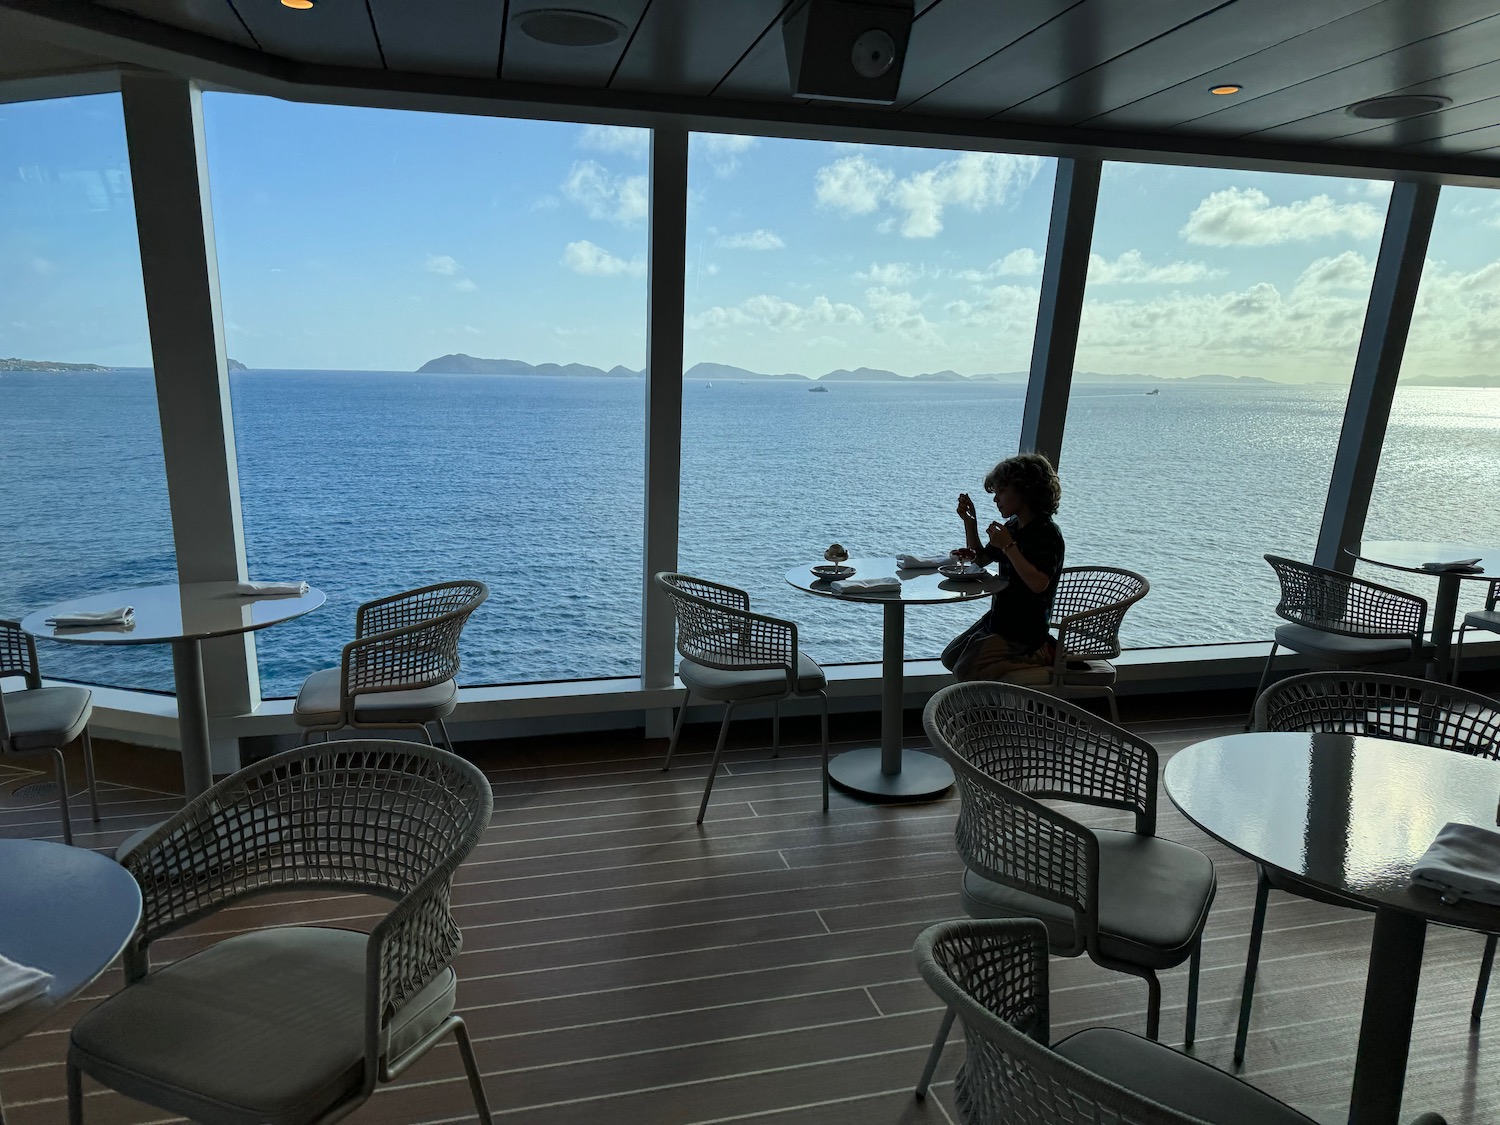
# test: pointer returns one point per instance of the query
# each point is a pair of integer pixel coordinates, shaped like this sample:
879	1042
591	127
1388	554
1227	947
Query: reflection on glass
859	328
83	499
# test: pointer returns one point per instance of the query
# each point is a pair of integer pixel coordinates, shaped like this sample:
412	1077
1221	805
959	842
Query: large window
1220	326
859	328
443	324
1440	467
83	499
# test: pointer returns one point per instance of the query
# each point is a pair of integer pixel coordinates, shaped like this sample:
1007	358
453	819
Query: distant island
60	368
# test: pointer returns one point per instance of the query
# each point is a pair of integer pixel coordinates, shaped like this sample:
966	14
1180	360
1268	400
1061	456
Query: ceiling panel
1346	42
527	60
1084	36
25	58
440	36
336	34
1475	140
951	36
1427	58
762	74
689	46
215	18
1195	52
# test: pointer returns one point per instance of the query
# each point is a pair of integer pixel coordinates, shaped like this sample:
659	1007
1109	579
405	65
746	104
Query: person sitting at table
1029	550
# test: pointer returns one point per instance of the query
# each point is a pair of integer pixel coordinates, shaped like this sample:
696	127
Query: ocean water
366	483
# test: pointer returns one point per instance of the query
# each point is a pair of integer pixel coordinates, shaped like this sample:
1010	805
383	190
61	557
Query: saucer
963	571
833	573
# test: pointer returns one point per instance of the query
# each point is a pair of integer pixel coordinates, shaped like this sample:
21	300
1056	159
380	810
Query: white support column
169	174
1070	238
1382	344
668	263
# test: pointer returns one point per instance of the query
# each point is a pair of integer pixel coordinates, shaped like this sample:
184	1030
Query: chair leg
713	767
676	730
1265	674
823	696
471	1068
1252	961
88	773
776	729
443	730
1114	710
1458	654
1194	964
75	1094
1482	986
1153	1007
60	768
935	1054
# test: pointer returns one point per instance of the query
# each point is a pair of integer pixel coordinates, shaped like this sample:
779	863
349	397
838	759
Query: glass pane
851	271
1440	467
83	493
1220	326
366	257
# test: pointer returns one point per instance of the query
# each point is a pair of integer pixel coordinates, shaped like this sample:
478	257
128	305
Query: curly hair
1033	477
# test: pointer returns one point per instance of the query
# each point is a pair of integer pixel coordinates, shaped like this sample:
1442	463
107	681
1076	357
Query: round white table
182	615
1410	556
889	772
67	911
1351	815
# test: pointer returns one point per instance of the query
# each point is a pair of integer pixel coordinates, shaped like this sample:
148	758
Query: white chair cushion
758	683
318	702
1336	648
45	718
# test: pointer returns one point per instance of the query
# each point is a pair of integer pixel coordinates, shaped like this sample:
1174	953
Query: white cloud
465	285
617	139
1130	268
1456	326
892	273
778	314
751	240
1246	217
900	313
856	185
620	199
1008	308
443	264
1023	262
724	150
1347	271
594	261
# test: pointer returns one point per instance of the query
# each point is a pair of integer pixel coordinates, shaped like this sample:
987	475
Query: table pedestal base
922	775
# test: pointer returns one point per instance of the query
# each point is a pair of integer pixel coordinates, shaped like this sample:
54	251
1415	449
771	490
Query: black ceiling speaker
847	50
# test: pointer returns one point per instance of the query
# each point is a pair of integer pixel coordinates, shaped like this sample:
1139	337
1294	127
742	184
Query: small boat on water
818	387
1154	391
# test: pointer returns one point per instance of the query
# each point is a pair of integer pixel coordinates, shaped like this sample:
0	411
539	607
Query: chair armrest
1000	962
409	947
406	658
744	640
1092	633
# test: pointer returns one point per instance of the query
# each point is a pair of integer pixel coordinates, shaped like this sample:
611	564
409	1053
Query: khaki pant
979	654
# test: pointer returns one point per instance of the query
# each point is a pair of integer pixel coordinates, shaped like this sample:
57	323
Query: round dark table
1351	815
67	911
182	615
1400	554
888	772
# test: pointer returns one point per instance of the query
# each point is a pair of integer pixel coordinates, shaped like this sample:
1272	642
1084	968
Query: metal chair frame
1087	611
18	658
1010	748
390	819
1485	620
1334	602
403	642
717	629
1381	705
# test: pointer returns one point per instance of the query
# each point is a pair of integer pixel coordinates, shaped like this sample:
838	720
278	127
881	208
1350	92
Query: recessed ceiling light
1397	106
565	27
1226	89
300	5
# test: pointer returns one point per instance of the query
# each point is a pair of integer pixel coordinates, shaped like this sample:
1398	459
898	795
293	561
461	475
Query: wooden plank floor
621	964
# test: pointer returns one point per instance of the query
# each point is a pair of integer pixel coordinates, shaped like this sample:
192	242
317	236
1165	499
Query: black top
1016	612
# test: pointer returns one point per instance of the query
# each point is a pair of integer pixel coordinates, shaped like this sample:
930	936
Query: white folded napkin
1453	564
864	585
264	589
923	562
1463	862
122	615
20	983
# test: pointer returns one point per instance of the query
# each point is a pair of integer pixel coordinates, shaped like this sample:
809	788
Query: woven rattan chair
1383	706
1132	901
295	1024
401	669
1342	621
1486	619
733	656
993	973
42	720
1087	610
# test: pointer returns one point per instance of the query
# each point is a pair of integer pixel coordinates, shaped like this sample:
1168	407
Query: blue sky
366	239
